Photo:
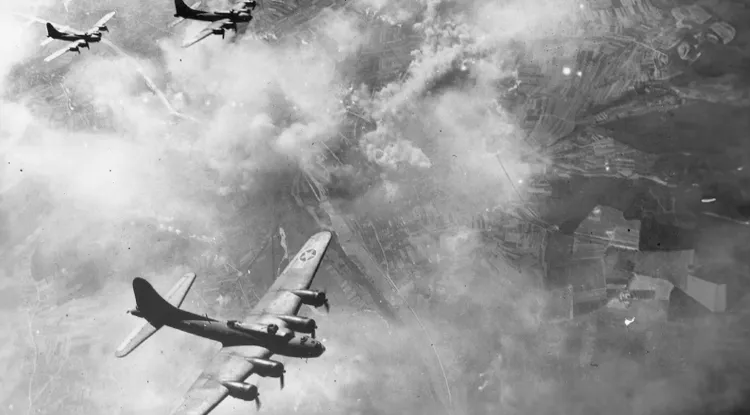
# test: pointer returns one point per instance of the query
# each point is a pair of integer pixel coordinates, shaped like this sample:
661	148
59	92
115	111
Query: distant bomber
78	39
247	345
221	20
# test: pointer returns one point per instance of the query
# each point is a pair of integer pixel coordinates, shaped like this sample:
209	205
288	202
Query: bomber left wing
207	31
70	47
298	275
231	364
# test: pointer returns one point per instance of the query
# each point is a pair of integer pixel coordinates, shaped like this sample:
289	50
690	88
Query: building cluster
558	91
601	264
626	43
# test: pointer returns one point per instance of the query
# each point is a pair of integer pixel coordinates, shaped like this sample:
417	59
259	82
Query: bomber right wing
74	44
206	32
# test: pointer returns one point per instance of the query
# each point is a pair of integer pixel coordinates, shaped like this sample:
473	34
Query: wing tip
323	236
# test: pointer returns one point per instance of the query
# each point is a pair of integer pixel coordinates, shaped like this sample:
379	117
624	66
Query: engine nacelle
311	297
218	31
251	4
267	368
299	324
103	28
242	390
74	49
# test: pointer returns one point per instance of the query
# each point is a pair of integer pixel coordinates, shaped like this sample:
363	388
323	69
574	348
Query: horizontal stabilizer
152	307
138	336
177	294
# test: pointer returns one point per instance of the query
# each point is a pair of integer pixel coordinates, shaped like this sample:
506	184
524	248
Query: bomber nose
322	348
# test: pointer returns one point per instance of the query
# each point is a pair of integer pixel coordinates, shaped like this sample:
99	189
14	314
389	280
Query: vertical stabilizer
154	309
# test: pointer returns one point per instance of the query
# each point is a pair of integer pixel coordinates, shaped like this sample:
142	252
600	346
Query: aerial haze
148	159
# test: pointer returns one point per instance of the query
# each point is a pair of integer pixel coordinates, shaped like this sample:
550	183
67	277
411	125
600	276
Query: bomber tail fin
153	308
53	32
182	19
182	9
149	303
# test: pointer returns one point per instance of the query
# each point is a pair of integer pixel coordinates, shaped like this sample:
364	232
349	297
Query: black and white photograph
365	207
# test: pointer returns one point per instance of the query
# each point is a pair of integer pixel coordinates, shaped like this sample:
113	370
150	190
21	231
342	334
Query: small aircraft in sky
77	38
221	20
270	329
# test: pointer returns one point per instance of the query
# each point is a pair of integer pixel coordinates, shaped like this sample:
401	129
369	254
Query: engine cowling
242	390
311	297
218	31
103	28
299	324
268	368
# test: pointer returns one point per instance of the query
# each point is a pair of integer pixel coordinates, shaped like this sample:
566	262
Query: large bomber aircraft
221	20
77	38
246	346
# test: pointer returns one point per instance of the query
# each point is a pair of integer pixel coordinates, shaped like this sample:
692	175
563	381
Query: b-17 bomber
221	20
78	39
272	328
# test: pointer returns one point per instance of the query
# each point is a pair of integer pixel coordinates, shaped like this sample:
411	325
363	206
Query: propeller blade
281	379
327	306
257	403
312	334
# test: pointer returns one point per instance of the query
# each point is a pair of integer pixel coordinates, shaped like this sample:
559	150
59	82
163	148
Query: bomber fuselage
236	16
88	37
224	333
